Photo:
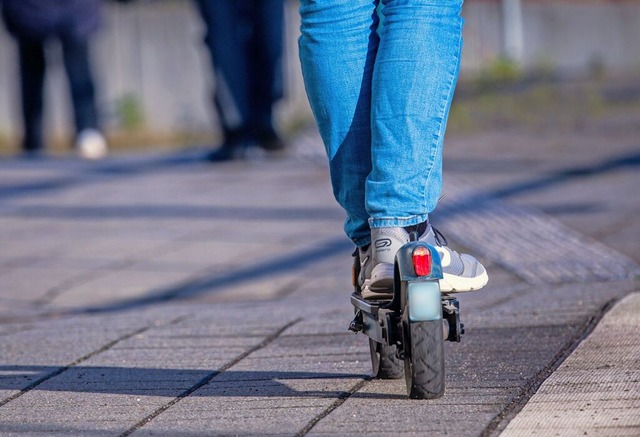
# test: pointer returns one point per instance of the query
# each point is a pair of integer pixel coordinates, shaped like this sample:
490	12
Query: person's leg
227	38
81	84
32	72
265	68
412	89
89	141
338	47
413	83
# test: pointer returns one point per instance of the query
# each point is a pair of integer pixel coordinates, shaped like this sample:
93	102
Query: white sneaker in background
91	144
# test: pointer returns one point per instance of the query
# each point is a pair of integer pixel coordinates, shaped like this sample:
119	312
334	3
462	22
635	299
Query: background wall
154	74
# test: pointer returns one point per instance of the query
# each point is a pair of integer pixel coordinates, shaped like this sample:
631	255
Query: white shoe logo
383	242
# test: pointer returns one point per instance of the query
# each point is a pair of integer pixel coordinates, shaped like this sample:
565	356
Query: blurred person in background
245	40
33	23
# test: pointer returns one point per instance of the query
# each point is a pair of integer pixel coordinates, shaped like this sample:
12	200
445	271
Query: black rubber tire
424	369
384	362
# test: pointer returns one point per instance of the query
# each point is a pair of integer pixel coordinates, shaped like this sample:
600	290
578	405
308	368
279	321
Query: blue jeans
380	90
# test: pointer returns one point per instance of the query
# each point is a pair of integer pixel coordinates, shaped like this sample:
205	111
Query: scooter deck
368	306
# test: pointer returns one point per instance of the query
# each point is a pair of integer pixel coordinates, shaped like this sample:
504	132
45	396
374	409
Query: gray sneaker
364	275
385	242
461	272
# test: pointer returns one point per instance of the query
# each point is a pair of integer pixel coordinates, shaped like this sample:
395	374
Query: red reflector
422	261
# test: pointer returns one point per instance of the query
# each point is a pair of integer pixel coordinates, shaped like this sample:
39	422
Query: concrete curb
596	391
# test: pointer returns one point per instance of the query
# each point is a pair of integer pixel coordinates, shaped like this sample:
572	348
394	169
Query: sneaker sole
381	283
458	284
372	295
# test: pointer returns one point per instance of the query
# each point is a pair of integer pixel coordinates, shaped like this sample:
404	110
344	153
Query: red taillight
422	261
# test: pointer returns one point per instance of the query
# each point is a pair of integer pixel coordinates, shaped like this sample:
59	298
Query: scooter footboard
378	323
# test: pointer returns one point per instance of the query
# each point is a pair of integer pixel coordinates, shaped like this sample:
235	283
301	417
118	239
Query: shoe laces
441	240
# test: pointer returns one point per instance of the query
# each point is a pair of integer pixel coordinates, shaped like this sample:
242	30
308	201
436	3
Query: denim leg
32	71
78	66
338	46
413	82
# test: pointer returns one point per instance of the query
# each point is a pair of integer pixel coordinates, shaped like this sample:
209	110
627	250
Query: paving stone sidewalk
155	294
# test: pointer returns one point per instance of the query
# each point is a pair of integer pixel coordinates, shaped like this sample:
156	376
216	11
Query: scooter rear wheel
384	361
424	367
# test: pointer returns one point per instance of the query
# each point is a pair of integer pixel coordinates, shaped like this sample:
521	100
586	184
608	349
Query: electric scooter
407	333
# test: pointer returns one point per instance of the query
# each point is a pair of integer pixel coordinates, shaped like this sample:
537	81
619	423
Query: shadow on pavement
292	262
177	211
171	382
79	171
471	202
606	166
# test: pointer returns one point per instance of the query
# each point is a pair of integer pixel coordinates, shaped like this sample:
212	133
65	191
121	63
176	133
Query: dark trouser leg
266	63
227	37
78	67
32	71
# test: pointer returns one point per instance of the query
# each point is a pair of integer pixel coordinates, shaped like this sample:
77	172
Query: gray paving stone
114	287
122	385
214	261
478	385
277	390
